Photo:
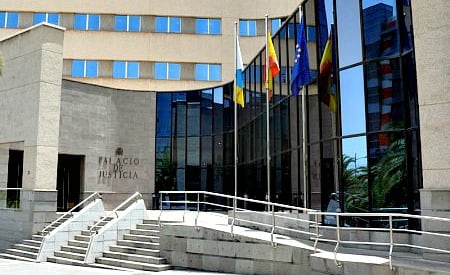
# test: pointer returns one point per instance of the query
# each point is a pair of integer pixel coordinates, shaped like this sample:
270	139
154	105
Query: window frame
168	71
86	22
126	70
209	22
208	72
85	68
247	27
7	14
46	20
167	24
127	23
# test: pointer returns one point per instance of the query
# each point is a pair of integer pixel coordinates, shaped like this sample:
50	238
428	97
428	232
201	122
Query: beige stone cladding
30	92
114	130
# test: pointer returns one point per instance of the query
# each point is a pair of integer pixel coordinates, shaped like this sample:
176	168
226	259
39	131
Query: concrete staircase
28	250
75	251
139	249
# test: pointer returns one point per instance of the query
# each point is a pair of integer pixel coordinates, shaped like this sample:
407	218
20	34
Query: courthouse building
119	98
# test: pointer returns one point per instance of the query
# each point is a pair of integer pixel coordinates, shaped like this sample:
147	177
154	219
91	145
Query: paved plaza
26	268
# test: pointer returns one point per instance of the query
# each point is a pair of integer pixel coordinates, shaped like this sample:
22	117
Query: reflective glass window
380	28
163	114
86	22
276	24
168	24
208	72
354	174
349	32
9	19
84	68
352	101
52	18
207	26
125	69
247	27
170	71
127	23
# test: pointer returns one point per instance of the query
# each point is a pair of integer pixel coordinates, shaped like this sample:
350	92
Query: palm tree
389	174
355	186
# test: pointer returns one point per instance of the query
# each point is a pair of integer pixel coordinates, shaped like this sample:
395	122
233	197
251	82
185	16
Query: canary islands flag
239	82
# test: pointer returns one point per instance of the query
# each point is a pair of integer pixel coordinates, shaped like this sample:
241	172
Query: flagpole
267	111
235	127
304	133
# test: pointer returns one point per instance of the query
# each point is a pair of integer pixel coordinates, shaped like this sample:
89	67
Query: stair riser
31	243
63	261
144	232
141	238
74	249
147	227
26	248
79	244
78	257
82	238
22	254
132	250
137	266
134	258
139	245
37	238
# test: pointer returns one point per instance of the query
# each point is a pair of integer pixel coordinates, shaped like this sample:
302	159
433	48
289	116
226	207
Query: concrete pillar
30	88
431	38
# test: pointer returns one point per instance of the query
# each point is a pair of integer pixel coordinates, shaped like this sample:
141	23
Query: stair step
59	260
138	244
104	266
134	250
22	253
14	257
148	226
85	232
141	238
32	243
74	249
133	265
37	237
25	247
145	232
78	243
134	257
82	238
69	255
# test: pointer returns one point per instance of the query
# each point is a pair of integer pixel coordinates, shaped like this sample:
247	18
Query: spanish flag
274	68
326	77
239	82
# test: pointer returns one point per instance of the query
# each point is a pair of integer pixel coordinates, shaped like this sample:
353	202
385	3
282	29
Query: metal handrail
92	232
315	222
131	198
95	194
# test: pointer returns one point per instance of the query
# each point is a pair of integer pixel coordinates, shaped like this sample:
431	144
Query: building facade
79	120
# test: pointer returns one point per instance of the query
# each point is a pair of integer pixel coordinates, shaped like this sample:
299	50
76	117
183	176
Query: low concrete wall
212	250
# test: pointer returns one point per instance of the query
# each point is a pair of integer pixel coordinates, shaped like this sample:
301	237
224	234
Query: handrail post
317	231
160	208
391	246
338	239
198	209
234	215
185	205
273	224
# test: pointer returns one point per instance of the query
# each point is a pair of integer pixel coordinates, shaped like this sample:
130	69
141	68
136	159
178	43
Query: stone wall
114	130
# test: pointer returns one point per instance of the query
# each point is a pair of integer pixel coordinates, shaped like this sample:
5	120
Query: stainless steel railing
93	196
314	229
114	213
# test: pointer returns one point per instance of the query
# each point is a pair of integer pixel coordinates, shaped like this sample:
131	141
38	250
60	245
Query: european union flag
300	72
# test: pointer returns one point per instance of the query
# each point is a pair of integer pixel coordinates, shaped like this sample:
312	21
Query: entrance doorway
69	181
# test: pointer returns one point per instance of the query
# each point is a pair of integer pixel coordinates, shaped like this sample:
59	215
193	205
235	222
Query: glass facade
365	148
